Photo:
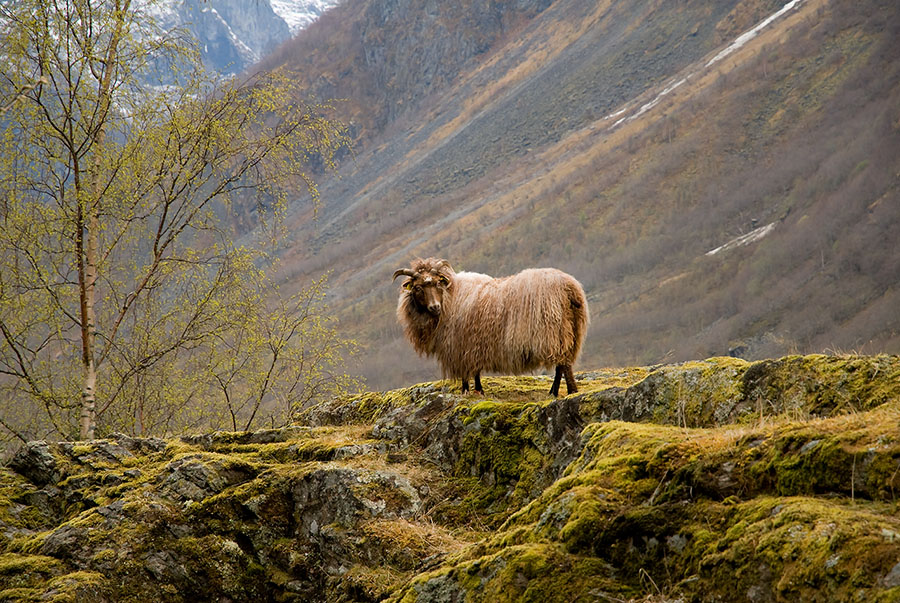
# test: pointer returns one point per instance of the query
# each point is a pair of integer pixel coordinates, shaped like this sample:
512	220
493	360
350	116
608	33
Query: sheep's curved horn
403	272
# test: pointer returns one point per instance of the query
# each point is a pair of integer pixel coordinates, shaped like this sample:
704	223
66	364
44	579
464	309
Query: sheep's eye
445	281
407	285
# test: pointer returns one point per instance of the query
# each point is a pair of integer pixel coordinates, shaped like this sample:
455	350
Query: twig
658	487
643	574
20	95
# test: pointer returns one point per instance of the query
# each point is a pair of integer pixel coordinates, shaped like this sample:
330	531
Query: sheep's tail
581	316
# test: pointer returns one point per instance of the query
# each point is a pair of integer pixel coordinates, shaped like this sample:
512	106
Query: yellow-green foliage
194	330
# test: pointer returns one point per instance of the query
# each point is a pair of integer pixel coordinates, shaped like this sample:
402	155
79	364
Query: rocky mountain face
384	59
233	34
299	14
719	480
412	48
722	177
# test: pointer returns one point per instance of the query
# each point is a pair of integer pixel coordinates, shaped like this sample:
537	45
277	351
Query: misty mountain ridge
722	178
233	34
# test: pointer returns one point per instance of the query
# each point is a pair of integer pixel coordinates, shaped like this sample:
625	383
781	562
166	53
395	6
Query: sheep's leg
554	389
478	388
571	388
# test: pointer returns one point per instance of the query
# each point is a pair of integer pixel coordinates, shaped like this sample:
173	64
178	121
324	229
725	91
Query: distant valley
723	178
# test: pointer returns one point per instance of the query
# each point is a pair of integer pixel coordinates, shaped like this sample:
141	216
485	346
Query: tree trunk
88	279
88	256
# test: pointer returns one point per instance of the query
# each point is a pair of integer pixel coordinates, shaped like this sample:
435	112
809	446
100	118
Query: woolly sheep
472	323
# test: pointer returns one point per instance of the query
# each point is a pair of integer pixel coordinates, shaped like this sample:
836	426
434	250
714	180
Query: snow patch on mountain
749	35
299	14
739	42
745	239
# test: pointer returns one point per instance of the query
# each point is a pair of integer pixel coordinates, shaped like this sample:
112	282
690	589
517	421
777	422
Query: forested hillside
723	178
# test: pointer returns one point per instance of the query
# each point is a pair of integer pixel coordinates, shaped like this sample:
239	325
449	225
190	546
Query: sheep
472	322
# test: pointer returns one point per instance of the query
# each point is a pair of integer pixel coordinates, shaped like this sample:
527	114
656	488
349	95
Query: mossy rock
712	480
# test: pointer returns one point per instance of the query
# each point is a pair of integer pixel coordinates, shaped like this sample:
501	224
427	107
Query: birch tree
116	256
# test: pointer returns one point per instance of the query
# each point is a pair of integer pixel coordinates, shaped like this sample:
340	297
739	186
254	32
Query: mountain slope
617	141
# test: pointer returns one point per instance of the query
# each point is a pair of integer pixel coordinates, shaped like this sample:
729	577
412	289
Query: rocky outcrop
231	34
714	480
412	47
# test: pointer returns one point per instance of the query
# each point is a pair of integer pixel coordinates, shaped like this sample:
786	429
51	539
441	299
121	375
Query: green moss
800	548
19	594
12	564
517	389
720	391
293	445
587	518
504	446
787	504
15	492
855	456
628	453
823	385
526	573
76	586
367	407
22	577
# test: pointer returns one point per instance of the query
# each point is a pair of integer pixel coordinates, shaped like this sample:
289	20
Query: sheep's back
516	324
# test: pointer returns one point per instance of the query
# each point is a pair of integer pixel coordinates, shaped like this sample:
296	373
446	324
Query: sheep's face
427	290
428	284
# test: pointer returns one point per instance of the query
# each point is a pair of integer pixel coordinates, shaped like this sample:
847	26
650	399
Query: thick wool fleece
534	319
